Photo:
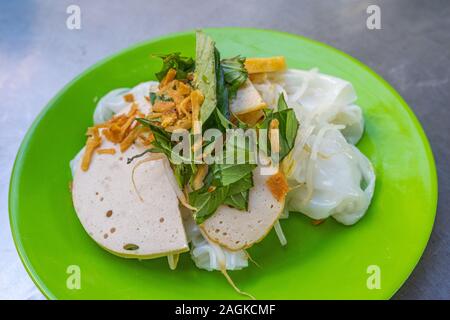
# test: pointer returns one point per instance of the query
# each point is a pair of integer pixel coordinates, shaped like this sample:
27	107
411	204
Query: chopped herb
152	97
183	168
164	98
182	65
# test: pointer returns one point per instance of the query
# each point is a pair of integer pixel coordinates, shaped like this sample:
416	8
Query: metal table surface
39	54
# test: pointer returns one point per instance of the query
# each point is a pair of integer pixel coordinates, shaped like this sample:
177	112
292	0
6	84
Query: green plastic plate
329	261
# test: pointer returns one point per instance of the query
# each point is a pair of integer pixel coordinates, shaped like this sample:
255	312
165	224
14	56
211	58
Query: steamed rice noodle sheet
330	177
316	98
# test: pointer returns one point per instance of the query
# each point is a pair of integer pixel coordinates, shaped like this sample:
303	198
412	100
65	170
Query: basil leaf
239	191
207	202
238	200
183	65
226	174
282	105
287	126
183	173
222	121
235	194
162	142
242	185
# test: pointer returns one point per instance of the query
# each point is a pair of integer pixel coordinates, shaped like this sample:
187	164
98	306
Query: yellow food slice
251	118
270	64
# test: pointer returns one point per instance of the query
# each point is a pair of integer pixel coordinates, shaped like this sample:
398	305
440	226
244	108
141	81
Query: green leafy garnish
226	174
282	105
238	194
162	142
235	74
183	173
205	74
207	202
152	97
155	97
288	126
222	107
184	169
183	65
224	184
219	81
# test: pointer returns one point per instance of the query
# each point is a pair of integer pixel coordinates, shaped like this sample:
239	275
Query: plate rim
15	181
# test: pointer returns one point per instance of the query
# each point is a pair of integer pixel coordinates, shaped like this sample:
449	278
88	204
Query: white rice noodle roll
341	178
352	118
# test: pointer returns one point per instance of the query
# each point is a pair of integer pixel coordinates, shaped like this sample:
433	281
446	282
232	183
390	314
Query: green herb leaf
231	187
183	65
282	105
239	192
207	202
152	97
221	89
183	173
242	185
238	200
205	74
164	98
226	174
235	74
288	126
162	142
